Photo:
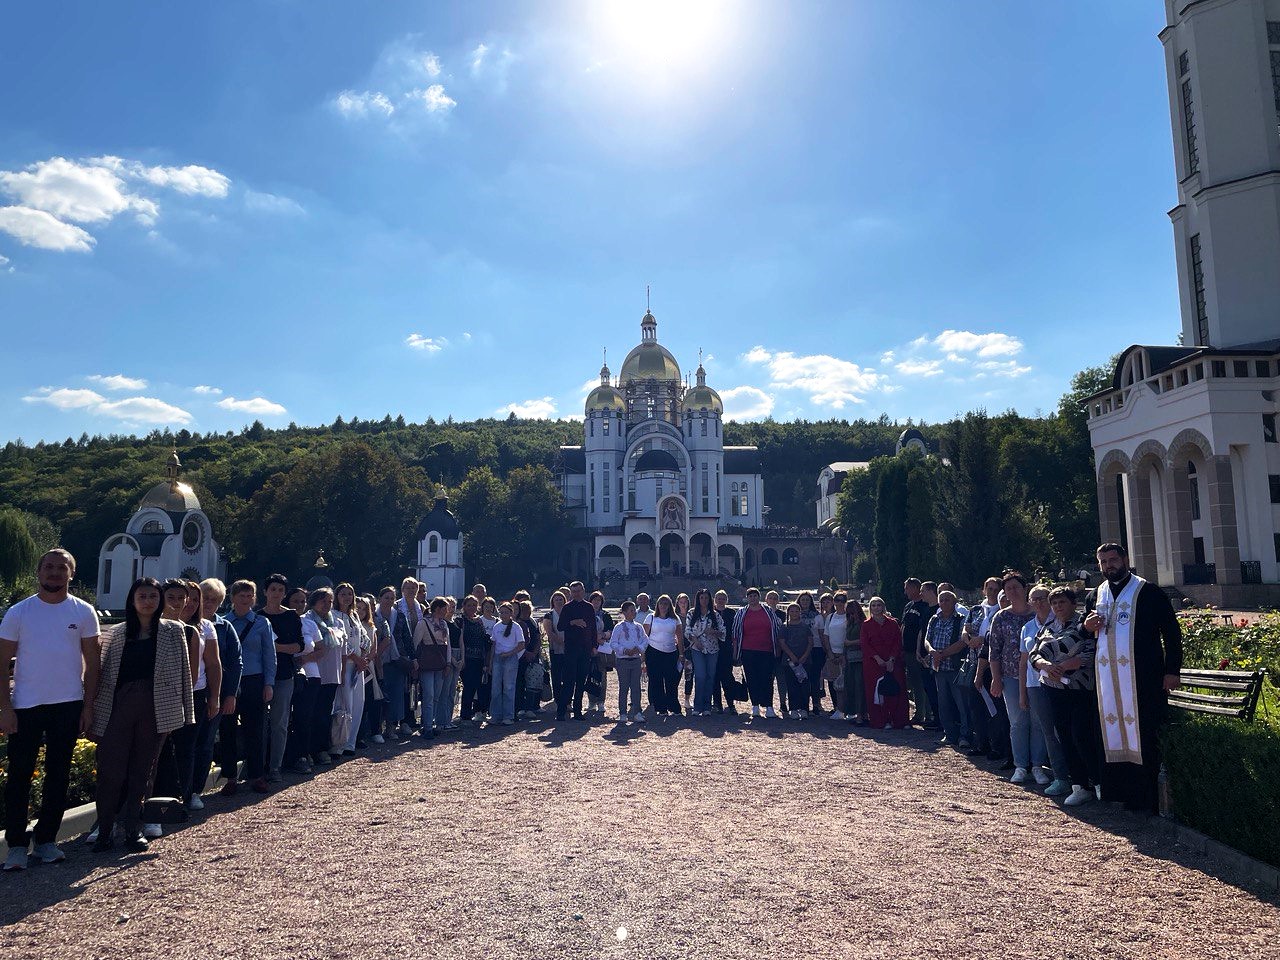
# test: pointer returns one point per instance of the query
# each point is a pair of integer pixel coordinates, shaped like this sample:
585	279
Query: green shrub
83	775
1224	780
1210	644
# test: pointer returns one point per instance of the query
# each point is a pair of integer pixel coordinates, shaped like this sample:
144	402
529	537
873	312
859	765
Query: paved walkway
707	838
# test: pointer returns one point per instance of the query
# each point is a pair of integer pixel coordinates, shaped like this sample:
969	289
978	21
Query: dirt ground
710	837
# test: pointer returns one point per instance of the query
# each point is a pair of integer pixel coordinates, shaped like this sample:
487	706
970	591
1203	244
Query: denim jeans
952	705
278	713
394	678
1027	740
502	702
447	694
202	749
704	679
1042	719
431	681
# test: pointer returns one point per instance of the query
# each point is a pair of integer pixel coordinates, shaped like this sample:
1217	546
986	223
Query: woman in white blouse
662	657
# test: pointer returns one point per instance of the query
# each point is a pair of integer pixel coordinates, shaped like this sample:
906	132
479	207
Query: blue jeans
952	705
1027	740
431	682
502	702
394	678
704	679
1042	719
446	696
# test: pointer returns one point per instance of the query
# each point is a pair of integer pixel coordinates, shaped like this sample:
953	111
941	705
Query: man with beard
1138	660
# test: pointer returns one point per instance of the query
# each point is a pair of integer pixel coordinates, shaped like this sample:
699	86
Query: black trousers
557	675
573	681
185	741
664	679
758	666
1075	718
55	726
251	720
322	719
473	698
306	693
126	757
722	695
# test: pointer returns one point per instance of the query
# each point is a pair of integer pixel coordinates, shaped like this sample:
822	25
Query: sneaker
888	726
229	788
1097	791
322	760
1078	796
378	738
837	715
477	717
92	835
136	844
1019	775
16	860
195	803
405	729
755	710
48	853
639	717
770	714
152	831
1059	788
1040	776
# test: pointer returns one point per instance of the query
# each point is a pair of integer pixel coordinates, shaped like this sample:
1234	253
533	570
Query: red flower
1222	664
1243	622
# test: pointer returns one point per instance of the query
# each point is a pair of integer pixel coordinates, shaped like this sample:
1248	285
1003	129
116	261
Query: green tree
481	505
17	549
891	531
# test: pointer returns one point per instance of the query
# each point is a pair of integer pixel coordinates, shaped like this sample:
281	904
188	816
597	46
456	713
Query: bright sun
670	32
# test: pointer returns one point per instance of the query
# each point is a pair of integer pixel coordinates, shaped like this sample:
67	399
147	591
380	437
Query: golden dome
172	497
649	361
703	396
605	397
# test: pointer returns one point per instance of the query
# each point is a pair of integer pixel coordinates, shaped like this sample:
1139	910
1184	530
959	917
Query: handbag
165	810
594	685
339	730
533	676
738	690
432	656
547	694
968	672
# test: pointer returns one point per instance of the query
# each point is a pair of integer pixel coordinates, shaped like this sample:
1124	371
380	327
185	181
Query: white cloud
35	228
887	357
984	344
434	98
69	191
207	390
272	203
543	409
118	381
478	56
466	337
259	406
369	102
416	341
920	368
129	409
192	180
829	381
431	65
746	403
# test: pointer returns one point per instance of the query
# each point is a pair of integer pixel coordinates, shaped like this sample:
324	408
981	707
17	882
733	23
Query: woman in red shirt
882	657
755	640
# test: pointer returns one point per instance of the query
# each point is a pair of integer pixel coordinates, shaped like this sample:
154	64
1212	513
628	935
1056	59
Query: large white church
653	484
1184	438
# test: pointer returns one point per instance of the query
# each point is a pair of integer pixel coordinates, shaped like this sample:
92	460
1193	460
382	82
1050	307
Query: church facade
168	536
1184	437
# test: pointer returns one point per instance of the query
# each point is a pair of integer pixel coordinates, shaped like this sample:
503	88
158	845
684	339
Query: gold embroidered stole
1116	680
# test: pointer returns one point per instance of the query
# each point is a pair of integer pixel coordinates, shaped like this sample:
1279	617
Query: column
1178	510
1143	549
1109	510
1222	520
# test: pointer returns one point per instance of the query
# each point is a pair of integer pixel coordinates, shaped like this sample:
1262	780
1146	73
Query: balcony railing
1250	571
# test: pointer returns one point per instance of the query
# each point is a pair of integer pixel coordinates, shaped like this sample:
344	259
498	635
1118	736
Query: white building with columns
1184	438
653	484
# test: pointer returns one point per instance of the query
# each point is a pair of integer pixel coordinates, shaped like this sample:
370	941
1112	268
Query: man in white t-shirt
54	638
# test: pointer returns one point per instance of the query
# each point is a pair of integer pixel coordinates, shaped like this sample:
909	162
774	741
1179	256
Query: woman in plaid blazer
143	696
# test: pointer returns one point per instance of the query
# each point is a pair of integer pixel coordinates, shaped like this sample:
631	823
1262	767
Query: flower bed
83	775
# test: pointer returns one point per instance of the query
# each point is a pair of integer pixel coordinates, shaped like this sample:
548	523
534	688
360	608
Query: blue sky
289	211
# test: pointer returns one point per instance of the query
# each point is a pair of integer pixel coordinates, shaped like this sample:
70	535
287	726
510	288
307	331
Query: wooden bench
1236	692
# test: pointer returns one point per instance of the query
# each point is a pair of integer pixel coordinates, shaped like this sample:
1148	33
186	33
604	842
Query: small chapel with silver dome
653	486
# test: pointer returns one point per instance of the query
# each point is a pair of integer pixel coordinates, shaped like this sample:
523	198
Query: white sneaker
1042	778
755	710
1078	796
378	738
152	831
837	715
1098	791
769	712
48	853
639	717
1019	775
195	803
16	860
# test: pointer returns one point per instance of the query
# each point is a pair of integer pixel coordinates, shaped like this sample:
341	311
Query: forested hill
87	488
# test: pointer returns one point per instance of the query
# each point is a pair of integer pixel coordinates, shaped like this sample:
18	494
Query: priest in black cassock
1138	661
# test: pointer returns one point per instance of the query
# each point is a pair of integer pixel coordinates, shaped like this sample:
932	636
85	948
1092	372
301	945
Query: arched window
433	544
769	557
153	526
790	556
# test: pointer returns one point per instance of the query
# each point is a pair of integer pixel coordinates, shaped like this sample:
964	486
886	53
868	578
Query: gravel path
708	838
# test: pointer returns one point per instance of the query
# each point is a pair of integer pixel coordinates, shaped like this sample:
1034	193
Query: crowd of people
292	680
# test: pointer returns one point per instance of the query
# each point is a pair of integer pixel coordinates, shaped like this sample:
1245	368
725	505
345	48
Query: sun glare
673	33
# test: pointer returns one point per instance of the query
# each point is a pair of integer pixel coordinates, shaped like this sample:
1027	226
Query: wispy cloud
919	368
478	56
207	390
746	403
258	406
148	410
272	203
118	381
434	99
962	354
829	381
540	409
366	103
416	341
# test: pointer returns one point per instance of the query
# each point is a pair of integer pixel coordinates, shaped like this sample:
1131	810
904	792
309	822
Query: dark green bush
1224	780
